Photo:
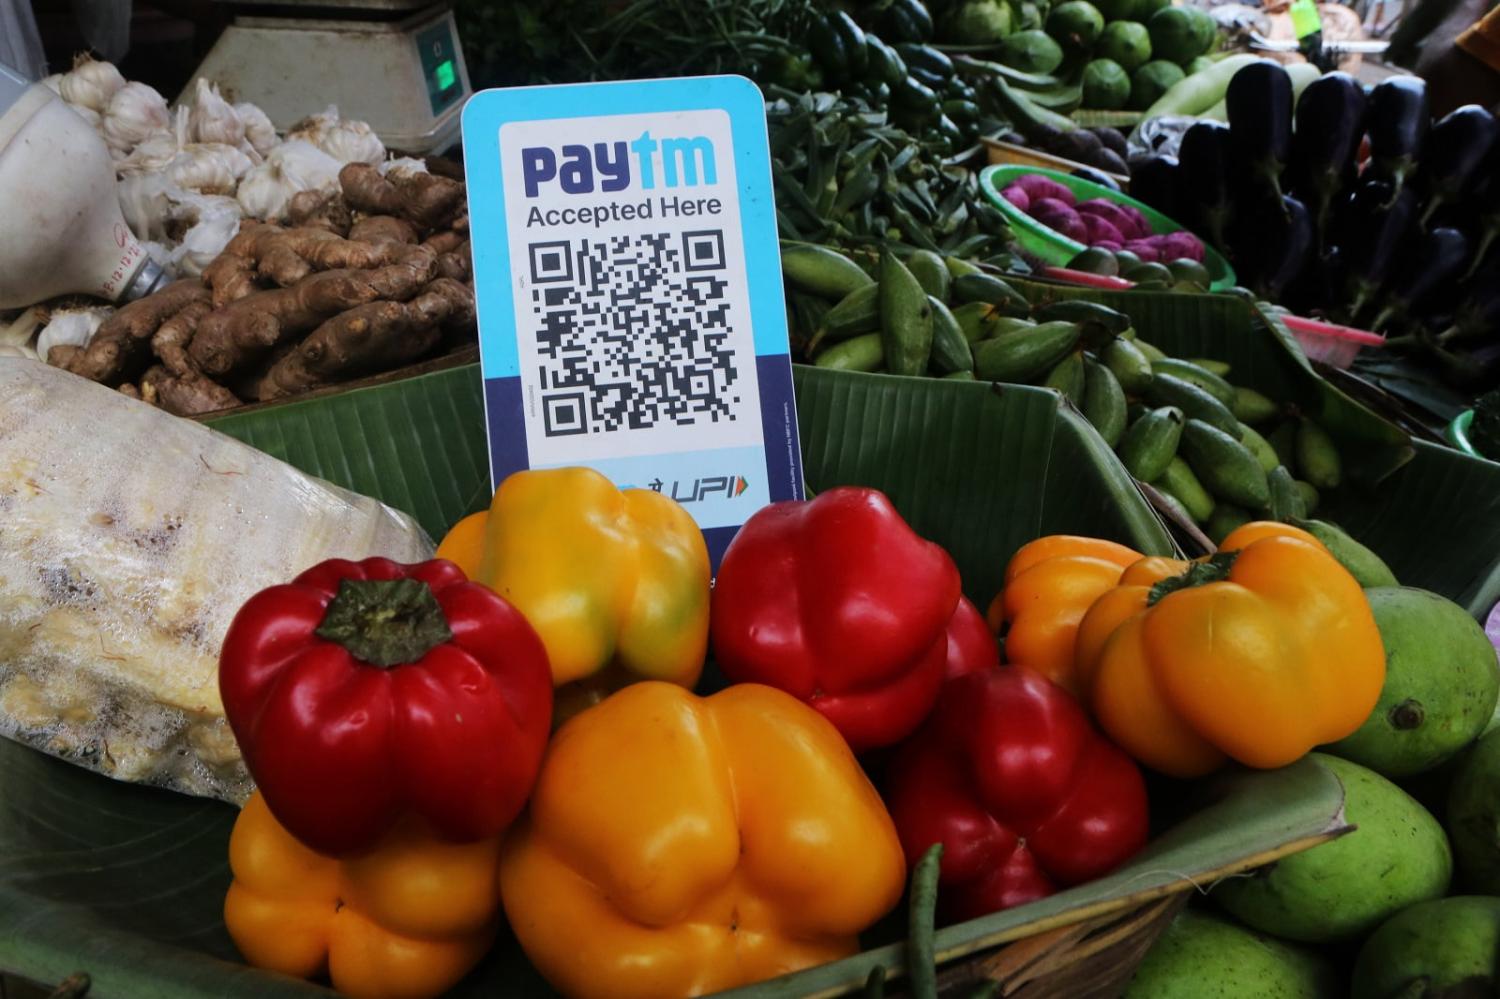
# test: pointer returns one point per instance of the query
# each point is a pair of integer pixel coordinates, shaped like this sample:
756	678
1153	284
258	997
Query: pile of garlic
192	163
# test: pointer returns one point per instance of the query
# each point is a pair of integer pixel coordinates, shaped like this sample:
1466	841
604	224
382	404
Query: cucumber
1249	406
1067	377
1225	466
950	349
1284	441
1103	401
1224	520
1201	377
931	273
857	312
987	288
1175	505
1127	363
821	271
905	318
1260	447
1364	565
861	353
1151	442
1095	261
1076	311
1025	354
1153	353
1195	403
958	267
1310	496
1179	480
1317	456
1286	501
1220	368
1006	325
975	319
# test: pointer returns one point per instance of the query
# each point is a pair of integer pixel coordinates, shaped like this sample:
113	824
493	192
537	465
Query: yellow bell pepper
1257	654
679	845
1049	585
616	582
405	921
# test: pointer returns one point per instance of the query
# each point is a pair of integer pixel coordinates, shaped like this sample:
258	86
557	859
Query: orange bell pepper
1049	585
679	845
405	921
616	582
1258	654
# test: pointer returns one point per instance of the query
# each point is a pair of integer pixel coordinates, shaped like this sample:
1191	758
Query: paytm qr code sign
627	270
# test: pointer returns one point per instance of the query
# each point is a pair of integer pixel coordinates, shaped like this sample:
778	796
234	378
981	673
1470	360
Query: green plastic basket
1458	433
1055	248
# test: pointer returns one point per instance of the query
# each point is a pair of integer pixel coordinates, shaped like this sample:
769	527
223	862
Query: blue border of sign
482	118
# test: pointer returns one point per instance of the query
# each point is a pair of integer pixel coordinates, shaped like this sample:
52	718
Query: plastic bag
20	44
131	538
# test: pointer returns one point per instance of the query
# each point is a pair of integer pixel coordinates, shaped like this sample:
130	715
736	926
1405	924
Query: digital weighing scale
395	64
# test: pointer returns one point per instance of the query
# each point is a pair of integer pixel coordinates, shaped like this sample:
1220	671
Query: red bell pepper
1024	795
837	601
971	644
362	692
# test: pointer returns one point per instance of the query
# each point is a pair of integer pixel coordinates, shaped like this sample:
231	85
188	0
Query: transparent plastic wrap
128	540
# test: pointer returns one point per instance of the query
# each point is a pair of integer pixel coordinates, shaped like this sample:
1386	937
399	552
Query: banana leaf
126	883
1262	353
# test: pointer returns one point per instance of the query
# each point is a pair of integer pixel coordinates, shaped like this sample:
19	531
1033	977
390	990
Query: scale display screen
436	48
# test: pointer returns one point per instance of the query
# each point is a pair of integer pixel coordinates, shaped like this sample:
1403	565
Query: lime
1075	25
1031	51
1106	85
1148	83
1127	43
1180	34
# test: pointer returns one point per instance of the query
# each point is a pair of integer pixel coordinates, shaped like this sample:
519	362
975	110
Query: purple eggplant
1204	163
1154	181
1259	102
1330	123
1399	119
1430	263
1272	242
1456	148
1376	222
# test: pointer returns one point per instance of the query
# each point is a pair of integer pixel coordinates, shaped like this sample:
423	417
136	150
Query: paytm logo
686	161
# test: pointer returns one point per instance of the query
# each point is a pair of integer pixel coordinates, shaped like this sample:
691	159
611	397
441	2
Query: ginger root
372	337
314	209
121	346
237	335
171	339
185	394
430	201
386	228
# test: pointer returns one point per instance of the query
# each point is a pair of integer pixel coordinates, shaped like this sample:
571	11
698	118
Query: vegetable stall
1133	631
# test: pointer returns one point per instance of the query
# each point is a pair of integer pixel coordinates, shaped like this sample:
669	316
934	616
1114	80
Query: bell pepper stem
385	622
1215	569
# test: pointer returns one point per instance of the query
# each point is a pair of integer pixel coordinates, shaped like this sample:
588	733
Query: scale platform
395	64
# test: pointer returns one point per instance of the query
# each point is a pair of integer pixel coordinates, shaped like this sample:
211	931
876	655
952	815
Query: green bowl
1055	248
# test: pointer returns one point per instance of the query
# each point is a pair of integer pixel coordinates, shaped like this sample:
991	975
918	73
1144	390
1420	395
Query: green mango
1396	856
1448	947
1203	955
1474	815
1442	680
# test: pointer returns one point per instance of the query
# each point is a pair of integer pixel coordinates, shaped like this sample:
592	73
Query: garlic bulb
293	166
346	141
208	168
91	84
70	327
146	201
153	153
213	120
216	221
259	131
134	112
403	167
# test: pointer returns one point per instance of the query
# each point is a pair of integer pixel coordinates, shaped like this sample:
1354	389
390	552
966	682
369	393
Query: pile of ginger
355	283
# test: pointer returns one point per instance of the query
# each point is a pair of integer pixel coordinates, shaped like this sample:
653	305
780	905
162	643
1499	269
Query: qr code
633	332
